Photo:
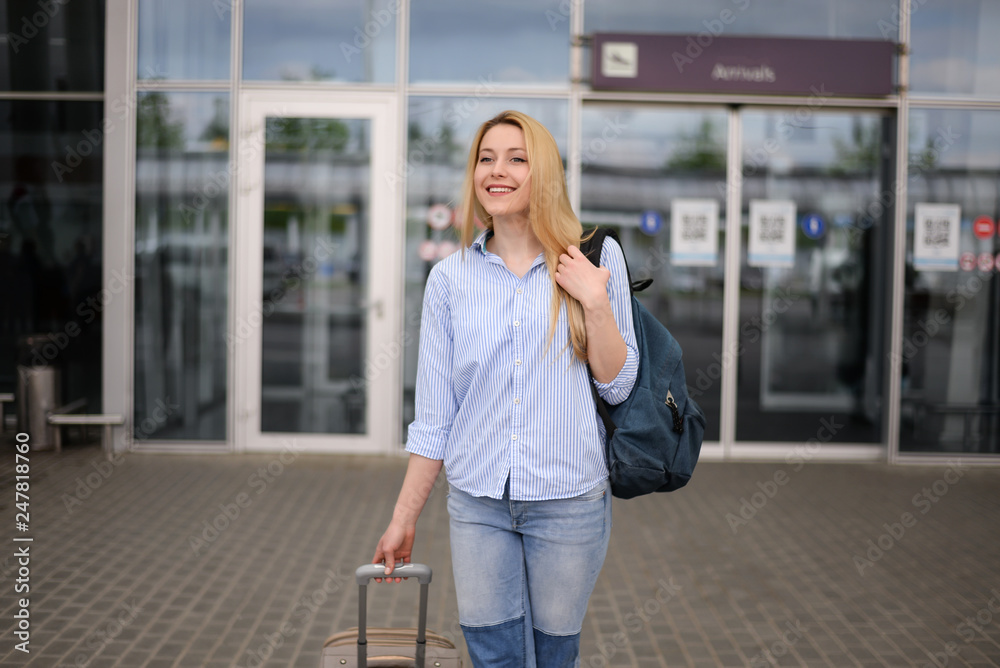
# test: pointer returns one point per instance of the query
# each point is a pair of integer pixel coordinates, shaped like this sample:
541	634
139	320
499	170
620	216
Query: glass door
318	258
765	232
816	187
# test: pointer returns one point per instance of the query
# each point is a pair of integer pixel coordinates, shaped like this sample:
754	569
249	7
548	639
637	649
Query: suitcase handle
369	571
365	573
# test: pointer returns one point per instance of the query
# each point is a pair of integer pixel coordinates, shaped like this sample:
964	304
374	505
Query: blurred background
218	217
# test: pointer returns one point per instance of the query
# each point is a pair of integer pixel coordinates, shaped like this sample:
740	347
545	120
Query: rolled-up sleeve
620	294
435	402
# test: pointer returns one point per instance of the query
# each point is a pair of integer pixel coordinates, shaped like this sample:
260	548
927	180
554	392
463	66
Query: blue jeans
524	571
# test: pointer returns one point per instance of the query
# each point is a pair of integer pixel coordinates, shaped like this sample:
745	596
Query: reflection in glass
521	41
184	39
810	339
302	40
839	19
438	138
637	160
955	48
316	208
52	46
951	326
51	241
181	265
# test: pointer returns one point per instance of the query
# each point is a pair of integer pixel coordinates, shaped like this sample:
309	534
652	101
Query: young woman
503	400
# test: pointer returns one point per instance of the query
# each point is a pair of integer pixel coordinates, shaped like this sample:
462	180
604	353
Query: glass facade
51	161
182	176
955	50
51	157
52	46
950	352
184	39
522	42
833	19
777	344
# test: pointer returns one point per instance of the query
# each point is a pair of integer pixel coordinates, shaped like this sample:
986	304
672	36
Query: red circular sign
986	261
439	216
983	227
967	261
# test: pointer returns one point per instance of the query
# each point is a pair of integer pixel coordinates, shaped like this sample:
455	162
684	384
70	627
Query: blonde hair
551	217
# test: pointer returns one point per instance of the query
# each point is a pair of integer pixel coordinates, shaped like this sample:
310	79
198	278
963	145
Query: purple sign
705	63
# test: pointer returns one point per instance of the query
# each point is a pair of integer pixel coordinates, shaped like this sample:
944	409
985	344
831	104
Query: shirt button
516	400
514	437
519	291
517	323
517	362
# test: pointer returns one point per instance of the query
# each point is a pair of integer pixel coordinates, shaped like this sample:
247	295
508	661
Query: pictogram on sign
983	227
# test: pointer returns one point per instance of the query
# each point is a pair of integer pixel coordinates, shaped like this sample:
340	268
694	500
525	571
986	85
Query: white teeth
501	190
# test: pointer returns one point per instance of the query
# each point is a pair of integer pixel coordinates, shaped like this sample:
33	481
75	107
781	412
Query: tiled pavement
118	579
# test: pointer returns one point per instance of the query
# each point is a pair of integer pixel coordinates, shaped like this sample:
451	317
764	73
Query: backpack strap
592	249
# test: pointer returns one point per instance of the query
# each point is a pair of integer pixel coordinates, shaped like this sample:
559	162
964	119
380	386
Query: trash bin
38	389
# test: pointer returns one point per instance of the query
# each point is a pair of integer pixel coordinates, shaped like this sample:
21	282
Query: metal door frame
382	432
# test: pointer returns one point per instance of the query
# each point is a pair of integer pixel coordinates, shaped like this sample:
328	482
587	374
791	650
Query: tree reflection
155	127
307	134
860	154
700	151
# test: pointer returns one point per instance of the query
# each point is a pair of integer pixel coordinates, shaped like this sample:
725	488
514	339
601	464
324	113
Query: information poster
694	232
772	233
935	237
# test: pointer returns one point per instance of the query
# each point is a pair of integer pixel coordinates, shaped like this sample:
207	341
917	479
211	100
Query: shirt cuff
620	387
426	441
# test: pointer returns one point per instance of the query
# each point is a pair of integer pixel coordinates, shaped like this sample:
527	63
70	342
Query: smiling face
503	175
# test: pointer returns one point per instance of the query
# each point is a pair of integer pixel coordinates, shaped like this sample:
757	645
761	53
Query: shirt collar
480	242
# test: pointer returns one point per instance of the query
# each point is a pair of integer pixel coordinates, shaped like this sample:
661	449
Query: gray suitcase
390	647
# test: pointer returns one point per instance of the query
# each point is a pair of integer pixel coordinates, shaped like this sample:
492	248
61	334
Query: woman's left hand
584	281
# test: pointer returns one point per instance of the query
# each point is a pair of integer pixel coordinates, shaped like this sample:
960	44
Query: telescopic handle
363	575
368	571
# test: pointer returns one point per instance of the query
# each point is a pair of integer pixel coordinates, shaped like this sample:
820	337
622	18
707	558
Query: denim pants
524	571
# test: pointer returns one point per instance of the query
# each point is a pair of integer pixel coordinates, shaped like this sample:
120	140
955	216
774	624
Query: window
833	19
302	40
181	265
516	42
184	39
950	351
955	49
52	46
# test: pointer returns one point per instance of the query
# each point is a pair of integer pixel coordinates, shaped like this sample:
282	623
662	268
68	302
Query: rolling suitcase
395	647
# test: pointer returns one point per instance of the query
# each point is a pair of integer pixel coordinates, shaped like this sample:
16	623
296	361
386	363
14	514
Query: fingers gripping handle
365	573
420	571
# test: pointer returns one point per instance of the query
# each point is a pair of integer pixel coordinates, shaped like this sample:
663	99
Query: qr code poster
772	233
935	237
694	232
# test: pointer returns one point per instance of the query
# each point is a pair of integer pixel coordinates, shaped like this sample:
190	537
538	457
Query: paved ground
829	565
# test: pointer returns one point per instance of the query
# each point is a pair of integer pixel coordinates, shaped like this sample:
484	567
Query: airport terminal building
222	213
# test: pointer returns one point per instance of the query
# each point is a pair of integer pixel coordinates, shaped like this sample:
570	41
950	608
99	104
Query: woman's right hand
395	545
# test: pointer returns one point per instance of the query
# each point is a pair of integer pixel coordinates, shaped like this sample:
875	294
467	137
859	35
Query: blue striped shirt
490	401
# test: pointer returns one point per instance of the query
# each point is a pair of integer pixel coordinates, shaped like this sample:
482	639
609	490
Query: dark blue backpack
654	436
